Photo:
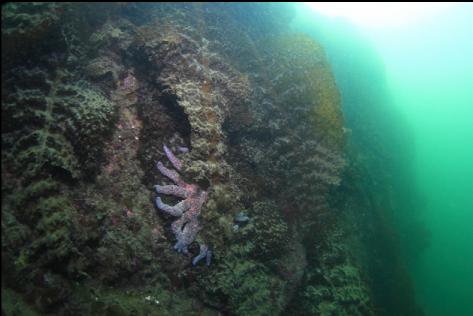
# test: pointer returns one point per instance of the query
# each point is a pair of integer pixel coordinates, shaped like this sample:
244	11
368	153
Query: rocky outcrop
254	112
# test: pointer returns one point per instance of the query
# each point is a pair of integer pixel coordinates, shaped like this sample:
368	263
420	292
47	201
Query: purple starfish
173	159
186	227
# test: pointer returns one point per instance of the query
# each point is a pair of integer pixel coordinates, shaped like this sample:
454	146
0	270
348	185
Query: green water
428	70
431	77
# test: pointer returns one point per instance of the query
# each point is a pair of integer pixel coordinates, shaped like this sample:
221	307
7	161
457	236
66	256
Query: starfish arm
171	190
176	210
171	174
202	254
173	159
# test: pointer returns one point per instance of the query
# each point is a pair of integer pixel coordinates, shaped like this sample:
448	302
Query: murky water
428	74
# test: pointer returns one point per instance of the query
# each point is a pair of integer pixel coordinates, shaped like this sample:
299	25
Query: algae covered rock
89	122
26	26
267	230
308	84
285	151
333	284
247	285
260	130
52	124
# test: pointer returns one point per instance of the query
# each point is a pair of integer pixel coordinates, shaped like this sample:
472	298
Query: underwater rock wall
378	194
83	123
